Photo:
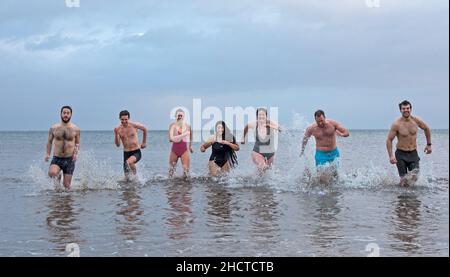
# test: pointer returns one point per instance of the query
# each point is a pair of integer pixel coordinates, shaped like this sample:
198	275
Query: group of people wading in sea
64	138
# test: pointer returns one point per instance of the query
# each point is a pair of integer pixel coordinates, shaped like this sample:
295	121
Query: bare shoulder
53	128
397	123
333	122
74	127
312	126
310	129
273	122
417	120
251	125
137	124
211	139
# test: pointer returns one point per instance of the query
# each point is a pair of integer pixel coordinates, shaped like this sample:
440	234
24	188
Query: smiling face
406	111
262	116
219	129
124	120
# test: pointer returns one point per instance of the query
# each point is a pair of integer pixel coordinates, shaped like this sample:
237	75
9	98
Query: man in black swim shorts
127	133
65	137
406	157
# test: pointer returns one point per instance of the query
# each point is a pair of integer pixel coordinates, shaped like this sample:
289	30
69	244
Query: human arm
246	129
340	130
306	137
49	145
76	149
190	138
177	138
422	125
275	126
391	136
233	145
117	136
208	143
144	130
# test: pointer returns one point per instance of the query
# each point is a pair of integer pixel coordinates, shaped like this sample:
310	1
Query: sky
355	59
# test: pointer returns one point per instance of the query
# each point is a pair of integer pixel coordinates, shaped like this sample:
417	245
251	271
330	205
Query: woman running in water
264	149
179	135
224	147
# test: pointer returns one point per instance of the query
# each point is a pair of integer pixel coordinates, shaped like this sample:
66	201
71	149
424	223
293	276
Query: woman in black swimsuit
265	131
223	157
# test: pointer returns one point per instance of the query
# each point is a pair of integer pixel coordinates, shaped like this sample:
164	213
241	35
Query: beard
406	115
65	120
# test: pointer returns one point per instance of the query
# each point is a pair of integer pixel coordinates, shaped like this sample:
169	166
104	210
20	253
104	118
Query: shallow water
278	214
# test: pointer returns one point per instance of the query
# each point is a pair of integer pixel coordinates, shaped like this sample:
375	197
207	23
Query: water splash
290	173
90	174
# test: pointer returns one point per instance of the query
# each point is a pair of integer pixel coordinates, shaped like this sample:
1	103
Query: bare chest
128	133
408	129
64	133
324	133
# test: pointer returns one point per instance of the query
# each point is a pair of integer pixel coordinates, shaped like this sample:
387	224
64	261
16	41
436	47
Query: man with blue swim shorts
326	157
325	132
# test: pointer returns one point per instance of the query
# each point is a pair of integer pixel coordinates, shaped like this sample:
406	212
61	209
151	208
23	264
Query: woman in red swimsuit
180	135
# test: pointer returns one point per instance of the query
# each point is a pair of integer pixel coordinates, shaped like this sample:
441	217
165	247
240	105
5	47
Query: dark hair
124	113
404	103
228	136
261	110
319	113
66	107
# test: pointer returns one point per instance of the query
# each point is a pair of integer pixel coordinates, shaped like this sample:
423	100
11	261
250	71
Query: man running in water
325	132
406	157
65	137
127	132
180	134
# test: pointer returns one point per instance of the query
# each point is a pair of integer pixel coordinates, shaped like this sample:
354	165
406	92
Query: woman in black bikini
264	149
224	147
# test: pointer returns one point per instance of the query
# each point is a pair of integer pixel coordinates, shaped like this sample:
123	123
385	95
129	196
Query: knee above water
53	173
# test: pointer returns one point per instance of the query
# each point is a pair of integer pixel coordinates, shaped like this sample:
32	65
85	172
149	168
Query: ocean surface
278	214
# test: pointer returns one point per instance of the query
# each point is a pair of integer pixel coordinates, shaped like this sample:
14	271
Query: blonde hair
179	111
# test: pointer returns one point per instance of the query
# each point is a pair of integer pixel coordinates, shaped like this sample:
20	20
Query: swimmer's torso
179	129
64	140
129	137
407	134
325	137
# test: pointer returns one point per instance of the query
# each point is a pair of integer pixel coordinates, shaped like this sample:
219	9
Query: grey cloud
208	48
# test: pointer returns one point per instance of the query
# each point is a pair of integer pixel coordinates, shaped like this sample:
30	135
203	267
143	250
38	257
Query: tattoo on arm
77	143
306	137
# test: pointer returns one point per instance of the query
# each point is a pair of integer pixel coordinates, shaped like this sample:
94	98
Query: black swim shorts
126	155
67	165
407	161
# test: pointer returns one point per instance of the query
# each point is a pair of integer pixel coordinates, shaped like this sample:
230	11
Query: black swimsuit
267	143
219	154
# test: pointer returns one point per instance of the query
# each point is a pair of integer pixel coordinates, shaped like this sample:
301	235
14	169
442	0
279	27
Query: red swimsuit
179	148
